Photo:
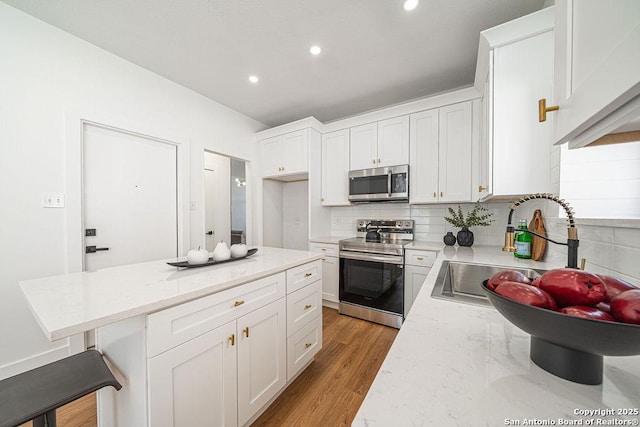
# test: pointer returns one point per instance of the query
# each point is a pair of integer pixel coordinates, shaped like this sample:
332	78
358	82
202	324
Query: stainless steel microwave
390	184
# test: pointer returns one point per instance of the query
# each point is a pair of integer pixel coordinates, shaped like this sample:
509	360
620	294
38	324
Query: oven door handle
387	259
389	184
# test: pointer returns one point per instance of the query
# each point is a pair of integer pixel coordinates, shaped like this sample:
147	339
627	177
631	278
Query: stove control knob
407	224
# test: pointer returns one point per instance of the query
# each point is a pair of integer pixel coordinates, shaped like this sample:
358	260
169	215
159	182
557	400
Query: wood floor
328	393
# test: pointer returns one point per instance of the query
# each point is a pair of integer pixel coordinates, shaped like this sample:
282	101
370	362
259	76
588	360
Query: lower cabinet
219	360
417	266
330	270
221	378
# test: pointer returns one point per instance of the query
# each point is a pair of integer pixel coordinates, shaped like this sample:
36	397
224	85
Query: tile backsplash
608	249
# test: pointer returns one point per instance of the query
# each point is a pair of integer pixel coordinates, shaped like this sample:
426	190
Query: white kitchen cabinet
515	148
330	271
335	168
285	154
262	361
381	144
418	263
596	67
440	161
194	384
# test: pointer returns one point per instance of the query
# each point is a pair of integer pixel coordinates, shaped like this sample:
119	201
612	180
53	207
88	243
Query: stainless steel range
372	271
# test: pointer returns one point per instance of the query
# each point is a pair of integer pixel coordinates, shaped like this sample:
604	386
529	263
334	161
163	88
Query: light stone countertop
455	364
72	303
334	240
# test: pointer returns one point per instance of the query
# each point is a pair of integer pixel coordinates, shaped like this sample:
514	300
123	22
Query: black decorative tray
185	264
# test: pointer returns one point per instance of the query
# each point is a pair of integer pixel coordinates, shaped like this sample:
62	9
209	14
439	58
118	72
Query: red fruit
614	286
587	313
573	287
507	276
525	294
626	306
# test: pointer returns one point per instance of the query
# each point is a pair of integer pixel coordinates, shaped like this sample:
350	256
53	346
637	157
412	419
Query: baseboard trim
74	345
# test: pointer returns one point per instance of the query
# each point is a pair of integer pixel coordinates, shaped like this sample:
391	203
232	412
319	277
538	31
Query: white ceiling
374	53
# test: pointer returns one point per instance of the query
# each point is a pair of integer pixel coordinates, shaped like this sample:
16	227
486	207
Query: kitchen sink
462	281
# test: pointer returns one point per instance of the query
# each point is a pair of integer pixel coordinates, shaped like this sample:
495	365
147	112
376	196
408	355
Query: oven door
372	280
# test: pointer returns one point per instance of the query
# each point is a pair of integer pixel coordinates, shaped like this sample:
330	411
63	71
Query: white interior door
217	200
129	198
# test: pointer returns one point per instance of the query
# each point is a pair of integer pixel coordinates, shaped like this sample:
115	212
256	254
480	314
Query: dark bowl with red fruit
568	346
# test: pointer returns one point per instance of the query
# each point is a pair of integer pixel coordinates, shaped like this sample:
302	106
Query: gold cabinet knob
246	331
435	194
373	161
307	345
441	194
324	250
237	303
378	160
481	188
308	275
543	109
419	258
232	338
308	306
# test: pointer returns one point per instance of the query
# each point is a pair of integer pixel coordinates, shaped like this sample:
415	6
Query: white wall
295	215
272	213
44	72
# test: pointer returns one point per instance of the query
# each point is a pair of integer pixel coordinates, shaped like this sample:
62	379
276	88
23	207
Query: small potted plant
479	216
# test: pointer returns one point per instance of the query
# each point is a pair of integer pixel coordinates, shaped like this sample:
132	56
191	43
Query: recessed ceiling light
253	79
410	4
315	50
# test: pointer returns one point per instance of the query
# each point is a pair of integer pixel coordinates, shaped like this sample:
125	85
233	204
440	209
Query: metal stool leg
46	420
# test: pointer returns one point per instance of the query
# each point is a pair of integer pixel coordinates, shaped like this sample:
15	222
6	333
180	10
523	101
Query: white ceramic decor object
221	252
197	256
238	250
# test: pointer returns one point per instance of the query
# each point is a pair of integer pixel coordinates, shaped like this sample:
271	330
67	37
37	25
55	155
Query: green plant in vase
479	216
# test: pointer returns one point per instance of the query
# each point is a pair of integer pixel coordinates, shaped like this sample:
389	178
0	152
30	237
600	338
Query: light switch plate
53	200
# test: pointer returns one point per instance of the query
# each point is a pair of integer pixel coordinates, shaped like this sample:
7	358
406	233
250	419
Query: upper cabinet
385	143
286	154
597	67
335	168
441	147
515	70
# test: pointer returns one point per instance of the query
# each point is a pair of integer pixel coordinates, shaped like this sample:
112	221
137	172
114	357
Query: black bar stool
36	394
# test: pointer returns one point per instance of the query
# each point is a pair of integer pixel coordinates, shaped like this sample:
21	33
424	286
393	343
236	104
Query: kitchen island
212	345
456	364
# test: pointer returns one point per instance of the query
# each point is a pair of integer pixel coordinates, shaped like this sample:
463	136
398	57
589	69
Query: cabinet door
521	145
270	156
423	166
335	168
485	187
330	277
295	152
195	383
414	277
262	357
597	66
363	152
454	153
393	141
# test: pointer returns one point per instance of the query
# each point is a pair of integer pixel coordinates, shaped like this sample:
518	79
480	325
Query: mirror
224	200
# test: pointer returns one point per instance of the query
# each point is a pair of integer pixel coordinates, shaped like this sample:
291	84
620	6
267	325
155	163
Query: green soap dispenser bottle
522	240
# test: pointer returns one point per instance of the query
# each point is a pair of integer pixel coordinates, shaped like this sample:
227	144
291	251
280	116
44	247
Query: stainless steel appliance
389	184
371	284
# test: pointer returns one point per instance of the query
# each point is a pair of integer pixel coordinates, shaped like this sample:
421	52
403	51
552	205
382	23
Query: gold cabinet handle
435	194
279	168
441	194
543	109
419	258
378	160
308	275
373	161
308	306
246	331
237	303
324	250
283	168
481	188
307	345
232	338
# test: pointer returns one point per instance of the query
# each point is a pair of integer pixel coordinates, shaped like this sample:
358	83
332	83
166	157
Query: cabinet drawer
303	275
303	345
419	258
303	305
325	248
176	325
